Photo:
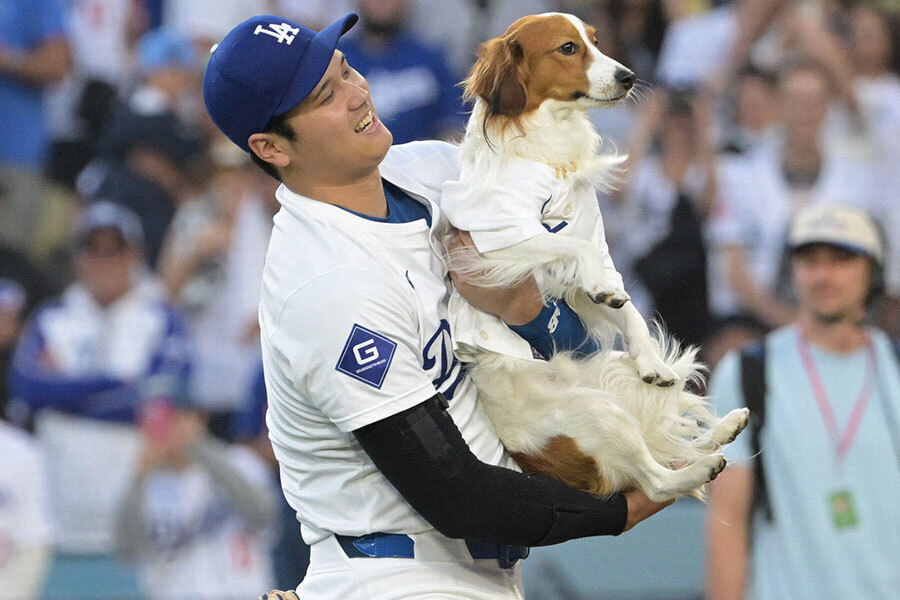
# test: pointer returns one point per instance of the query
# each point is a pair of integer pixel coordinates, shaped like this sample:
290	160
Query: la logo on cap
282	32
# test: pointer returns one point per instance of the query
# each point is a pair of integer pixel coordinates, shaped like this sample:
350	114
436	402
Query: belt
395	545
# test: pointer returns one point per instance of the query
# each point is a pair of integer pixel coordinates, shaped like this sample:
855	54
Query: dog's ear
499	77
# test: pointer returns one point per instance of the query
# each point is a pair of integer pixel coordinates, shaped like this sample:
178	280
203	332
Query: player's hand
515	305
279	595
641	507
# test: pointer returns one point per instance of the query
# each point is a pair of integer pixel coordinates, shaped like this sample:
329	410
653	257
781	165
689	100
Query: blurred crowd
134	461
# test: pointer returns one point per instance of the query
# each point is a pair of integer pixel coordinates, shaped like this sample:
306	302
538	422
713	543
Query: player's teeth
364	124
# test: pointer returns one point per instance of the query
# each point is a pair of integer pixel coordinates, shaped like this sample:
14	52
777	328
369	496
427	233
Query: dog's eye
569	48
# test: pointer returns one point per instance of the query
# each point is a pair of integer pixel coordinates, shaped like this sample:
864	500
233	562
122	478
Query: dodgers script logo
282	33
439	348
366	356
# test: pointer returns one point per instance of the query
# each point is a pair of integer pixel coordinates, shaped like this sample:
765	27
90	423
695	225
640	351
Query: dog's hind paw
654	371
717	468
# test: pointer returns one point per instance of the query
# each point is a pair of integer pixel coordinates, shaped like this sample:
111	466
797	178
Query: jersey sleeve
725	390
429	163
351	340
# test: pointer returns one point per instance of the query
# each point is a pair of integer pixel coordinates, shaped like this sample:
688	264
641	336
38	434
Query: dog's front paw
611	298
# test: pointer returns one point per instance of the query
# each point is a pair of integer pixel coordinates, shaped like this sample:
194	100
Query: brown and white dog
531	163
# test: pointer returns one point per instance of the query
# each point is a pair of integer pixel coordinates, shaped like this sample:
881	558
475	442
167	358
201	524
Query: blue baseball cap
263	68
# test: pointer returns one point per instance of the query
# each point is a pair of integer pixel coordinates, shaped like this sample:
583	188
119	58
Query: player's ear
268	147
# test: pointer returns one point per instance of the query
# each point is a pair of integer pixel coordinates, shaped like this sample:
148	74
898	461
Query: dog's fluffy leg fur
557	263
594	424
648	360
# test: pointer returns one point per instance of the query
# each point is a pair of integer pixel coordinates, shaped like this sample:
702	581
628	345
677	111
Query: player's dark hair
279	126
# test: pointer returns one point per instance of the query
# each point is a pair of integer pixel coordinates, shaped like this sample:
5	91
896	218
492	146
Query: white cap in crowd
839	225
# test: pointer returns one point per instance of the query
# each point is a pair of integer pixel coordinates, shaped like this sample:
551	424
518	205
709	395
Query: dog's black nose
625	77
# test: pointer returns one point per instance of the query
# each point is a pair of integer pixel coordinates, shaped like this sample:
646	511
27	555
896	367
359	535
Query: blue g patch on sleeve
366	356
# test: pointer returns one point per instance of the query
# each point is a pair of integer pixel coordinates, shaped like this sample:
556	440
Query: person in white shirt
400	484
26	540
197	513
759	193
86	367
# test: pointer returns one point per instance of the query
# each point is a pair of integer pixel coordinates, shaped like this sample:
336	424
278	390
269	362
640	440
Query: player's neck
364	195
844	335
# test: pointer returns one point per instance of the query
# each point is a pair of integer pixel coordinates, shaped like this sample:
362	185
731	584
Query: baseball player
398	479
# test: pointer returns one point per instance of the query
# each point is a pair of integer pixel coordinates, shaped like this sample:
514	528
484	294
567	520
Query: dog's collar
561	170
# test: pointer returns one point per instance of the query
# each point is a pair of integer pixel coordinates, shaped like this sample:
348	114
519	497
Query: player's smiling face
338	132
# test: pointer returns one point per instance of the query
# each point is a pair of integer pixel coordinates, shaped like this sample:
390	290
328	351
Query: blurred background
134	461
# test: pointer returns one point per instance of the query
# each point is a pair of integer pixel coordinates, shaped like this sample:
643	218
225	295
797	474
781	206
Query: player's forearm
422	453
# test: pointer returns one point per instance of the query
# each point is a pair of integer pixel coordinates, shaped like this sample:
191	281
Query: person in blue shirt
811	510
417	94
33	54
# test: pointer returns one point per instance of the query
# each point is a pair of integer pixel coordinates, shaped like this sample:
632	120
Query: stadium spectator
151	153
668	194
417	94
33	54
697	42
474	21
195	518
85	367
101	34
22	287
755	119
759	194
212	265
808	509
25	530
207	21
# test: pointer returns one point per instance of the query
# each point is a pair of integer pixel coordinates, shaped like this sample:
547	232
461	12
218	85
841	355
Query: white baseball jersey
199	543
90	461
354	329
528	199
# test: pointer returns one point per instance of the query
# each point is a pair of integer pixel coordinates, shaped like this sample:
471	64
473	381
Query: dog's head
552	56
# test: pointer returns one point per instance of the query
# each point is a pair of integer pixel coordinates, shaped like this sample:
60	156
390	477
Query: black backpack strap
753	386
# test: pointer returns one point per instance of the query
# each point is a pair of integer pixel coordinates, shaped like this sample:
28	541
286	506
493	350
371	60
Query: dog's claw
714	472
600	298
617	302
666	383
649	378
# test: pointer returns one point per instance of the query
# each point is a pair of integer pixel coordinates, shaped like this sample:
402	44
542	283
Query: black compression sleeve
422	453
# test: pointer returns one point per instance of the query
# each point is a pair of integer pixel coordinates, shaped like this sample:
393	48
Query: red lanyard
843	443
